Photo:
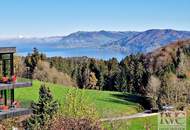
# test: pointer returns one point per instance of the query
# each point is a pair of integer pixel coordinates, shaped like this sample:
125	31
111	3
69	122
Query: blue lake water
78	52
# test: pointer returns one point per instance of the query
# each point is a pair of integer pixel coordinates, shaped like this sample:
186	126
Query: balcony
9	107
7	86
15	113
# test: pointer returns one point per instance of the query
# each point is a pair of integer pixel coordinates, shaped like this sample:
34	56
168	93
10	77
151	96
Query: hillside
165	55
105	102
149	40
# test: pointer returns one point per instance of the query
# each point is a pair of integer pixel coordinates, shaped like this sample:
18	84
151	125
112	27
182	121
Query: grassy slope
138	124
107	105
133	124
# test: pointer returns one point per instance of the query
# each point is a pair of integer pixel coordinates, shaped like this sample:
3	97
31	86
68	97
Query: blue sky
60	17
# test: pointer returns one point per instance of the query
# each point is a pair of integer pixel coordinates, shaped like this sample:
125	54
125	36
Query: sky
39	18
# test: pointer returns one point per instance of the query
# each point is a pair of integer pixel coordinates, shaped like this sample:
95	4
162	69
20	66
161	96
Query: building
8	83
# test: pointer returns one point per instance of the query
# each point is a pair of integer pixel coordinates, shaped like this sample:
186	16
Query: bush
180	106
188	111
77	106
77	113
13	123
74	124
8	124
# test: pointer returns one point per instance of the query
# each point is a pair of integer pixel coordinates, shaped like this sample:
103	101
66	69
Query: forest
161	76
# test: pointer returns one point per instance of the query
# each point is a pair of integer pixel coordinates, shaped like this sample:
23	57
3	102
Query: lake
104	54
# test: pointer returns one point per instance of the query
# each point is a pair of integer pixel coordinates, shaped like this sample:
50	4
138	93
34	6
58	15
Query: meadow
105	102
137	124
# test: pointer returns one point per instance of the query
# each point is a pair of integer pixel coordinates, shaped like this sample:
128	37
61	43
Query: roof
7	50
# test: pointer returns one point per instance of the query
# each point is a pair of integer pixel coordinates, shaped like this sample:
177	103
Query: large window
6	73
6	69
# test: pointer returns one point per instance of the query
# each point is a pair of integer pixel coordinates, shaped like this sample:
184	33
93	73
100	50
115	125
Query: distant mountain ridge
80	39
93	39
125	41
148	40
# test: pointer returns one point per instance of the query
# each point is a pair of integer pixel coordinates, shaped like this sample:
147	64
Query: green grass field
137	124
106	103
132	124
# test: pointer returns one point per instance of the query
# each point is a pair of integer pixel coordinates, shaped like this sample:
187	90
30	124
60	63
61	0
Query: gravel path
138	115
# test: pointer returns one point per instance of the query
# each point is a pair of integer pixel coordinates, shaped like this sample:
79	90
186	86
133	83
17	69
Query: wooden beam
15	113
15	85
7	50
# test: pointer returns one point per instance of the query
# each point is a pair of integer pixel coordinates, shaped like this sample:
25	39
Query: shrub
74	124
180	106
13	123
188	111
43	110
77	113
8	124
77	106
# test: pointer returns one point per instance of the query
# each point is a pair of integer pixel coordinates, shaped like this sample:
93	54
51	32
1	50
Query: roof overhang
7	50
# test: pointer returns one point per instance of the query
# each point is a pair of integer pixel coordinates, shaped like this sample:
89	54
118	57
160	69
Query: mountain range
93	39
125	41
148	40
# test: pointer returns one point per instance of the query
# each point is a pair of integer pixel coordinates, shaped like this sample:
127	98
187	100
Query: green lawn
105	102
137	124
133	124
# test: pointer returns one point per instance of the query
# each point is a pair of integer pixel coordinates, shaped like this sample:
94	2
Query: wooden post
1	93
12	73
4	67
5	96
1	68
4	74
12	64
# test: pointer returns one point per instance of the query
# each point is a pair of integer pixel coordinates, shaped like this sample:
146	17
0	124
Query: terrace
9	107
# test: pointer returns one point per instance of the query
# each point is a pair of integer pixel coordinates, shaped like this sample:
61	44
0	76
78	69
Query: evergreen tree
43	110
32	60
100	80
85	73
121	80
137	74
98	70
